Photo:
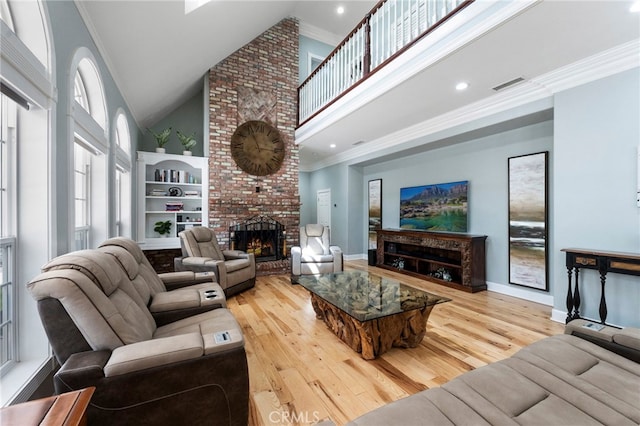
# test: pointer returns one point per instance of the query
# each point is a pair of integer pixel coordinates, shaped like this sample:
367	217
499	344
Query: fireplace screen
260	235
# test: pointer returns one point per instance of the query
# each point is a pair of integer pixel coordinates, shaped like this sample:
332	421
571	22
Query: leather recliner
315	254
235	270
191	371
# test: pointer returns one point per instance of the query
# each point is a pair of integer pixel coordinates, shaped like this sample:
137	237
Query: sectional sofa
155	356
587	376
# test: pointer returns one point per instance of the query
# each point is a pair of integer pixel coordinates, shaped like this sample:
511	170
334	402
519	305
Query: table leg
576	297
603	301
569	297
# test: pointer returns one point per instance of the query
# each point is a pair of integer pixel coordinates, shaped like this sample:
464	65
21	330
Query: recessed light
333	145
340	10
635	7
463	85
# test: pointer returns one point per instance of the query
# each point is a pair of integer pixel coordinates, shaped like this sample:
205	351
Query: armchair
235	270
315	255
191	371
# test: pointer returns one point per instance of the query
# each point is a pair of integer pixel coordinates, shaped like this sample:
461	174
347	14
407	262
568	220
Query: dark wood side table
603	262
68	409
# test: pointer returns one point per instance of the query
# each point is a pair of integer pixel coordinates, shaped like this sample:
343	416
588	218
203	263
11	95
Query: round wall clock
257	148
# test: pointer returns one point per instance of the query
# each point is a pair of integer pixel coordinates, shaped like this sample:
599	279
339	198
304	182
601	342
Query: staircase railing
390	28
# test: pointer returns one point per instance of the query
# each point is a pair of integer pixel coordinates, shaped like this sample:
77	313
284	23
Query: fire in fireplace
260	235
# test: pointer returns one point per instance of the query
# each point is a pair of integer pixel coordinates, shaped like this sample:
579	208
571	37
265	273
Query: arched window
88	125
123	179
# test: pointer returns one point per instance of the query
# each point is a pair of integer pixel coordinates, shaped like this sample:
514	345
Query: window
90	188
122	177
8	112
82	186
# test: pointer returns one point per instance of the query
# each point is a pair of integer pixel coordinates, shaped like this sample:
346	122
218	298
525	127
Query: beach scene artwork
528	220
437	207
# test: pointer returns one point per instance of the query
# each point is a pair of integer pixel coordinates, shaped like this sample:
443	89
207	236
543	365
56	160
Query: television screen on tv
438	207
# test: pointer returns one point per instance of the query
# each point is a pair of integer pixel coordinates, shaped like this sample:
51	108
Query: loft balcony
388	30
516	55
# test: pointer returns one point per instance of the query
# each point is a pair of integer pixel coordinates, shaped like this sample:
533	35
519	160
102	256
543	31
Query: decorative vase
186	153
160	150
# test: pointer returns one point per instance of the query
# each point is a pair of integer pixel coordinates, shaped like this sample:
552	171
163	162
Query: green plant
162	227
187	141
161	138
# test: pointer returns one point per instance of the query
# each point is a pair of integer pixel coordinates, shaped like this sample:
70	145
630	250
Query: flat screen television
438	207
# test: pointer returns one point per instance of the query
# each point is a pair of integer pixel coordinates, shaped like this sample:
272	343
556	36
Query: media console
452	259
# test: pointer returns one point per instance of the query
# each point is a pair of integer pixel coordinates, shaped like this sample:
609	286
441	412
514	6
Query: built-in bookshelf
172	189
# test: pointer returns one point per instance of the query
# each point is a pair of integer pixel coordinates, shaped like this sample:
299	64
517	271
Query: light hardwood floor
301	373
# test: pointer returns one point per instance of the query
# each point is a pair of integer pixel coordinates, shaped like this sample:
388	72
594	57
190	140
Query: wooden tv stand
423	253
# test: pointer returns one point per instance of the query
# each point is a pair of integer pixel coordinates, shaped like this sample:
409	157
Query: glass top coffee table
369	312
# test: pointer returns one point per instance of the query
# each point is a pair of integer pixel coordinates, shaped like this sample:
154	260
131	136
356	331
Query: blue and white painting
528	220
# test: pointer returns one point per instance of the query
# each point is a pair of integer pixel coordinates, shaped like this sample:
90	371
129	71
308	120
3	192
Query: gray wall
308	45
483	162
592	138
187	118
597	133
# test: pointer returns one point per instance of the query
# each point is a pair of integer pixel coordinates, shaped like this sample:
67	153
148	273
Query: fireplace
260	235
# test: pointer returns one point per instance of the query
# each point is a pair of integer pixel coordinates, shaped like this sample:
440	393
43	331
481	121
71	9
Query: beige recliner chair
315	255
235	270
191	371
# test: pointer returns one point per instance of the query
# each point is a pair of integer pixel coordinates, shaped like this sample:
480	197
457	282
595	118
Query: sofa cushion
154	353
629	337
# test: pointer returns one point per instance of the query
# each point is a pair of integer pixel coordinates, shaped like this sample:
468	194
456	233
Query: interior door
323	205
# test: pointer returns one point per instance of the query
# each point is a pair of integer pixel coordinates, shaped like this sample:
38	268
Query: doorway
323	205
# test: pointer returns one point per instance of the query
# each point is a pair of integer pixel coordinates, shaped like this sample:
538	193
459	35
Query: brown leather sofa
560	380
191	371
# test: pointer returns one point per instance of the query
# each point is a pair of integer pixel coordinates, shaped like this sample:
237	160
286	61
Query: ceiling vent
358	143
508	84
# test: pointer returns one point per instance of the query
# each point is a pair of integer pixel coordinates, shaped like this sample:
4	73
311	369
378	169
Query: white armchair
315	255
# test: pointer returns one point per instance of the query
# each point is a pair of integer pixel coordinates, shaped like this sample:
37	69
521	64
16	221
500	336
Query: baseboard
558	315
354	257
521	293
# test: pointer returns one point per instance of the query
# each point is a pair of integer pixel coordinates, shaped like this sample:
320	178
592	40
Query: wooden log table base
374	337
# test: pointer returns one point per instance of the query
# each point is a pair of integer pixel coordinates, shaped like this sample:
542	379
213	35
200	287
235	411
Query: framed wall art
375	210
528	221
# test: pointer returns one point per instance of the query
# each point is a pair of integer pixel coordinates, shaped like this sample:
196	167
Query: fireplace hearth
260	235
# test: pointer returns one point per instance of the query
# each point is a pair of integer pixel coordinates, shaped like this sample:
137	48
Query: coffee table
369	312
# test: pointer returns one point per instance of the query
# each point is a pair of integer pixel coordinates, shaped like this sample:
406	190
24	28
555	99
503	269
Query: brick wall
266	68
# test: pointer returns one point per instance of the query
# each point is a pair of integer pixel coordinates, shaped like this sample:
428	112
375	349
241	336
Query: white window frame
8	214
123	183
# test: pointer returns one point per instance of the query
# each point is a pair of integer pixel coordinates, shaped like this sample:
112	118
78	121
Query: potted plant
163	227
161	138
187	142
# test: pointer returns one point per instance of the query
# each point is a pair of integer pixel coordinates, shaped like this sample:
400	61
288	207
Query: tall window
90	148
8	111
123	177
82	187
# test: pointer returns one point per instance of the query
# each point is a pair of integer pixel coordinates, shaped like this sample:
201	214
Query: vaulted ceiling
157	55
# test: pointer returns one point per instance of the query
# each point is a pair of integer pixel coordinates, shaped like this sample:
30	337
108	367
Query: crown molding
319	34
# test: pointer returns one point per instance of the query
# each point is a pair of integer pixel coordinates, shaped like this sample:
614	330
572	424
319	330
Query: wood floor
301	373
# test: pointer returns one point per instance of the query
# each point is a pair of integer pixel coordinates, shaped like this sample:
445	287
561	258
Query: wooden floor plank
301	373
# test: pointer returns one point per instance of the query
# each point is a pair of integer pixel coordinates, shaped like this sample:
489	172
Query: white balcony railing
391	27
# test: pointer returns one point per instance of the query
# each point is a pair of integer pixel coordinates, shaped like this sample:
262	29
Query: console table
452	259
603	262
